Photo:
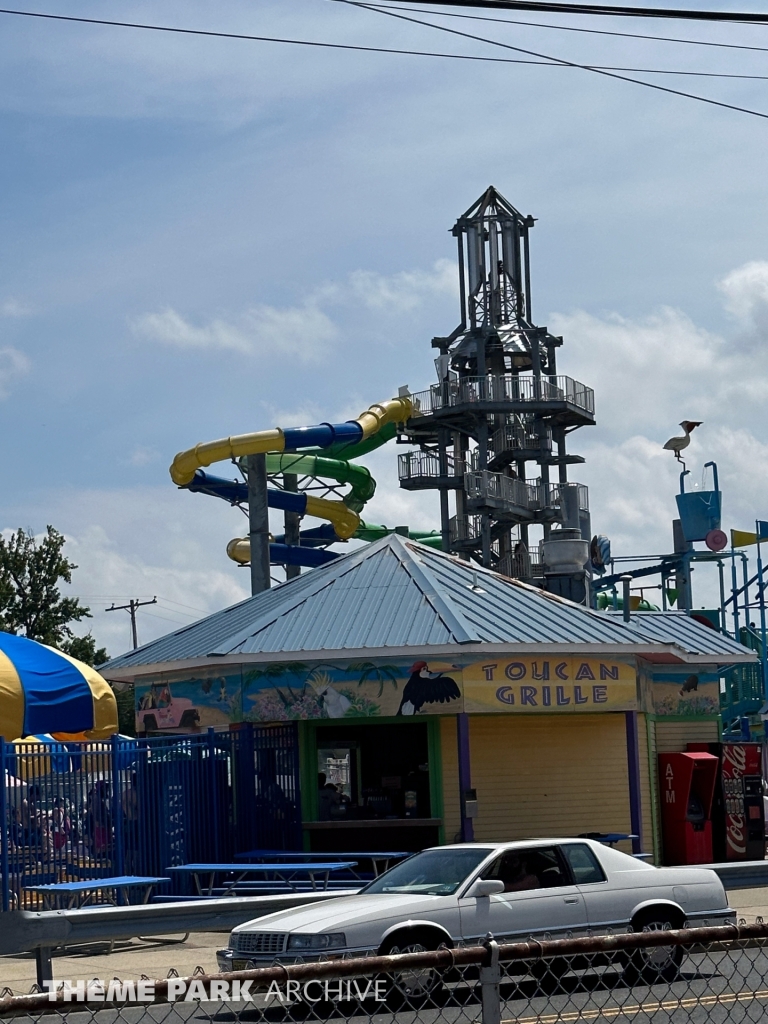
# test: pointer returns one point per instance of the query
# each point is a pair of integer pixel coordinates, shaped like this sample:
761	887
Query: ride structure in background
284	469
499	406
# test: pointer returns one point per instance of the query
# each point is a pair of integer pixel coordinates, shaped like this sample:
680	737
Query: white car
546	888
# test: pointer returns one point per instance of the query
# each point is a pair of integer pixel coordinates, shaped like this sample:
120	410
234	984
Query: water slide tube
280	553
353	437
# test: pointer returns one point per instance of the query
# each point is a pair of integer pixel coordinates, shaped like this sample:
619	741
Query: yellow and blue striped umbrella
43	690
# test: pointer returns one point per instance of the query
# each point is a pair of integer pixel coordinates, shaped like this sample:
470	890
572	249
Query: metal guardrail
532	495
503	389
426	465
656	976
22	931
744	874
512	438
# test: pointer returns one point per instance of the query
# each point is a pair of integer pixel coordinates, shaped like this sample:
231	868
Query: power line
544	61
559	60
574	28
605	10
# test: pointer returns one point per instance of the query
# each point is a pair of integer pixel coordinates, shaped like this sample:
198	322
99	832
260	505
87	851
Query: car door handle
571	899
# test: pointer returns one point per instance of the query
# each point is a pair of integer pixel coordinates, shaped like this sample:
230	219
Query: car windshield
431	873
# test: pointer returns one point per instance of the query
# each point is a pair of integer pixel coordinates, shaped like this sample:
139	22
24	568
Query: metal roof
683	631
396	593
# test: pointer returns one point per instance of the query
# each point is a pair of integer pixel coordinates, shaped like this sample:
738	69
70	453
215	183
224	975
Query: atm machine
687	781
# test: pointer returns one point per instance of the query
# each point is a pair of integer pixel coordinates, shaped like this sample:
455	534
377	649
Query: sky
201	237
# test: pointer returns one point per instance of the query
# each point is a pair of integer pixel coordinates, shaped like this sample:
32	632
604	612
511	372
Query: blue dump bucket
700	511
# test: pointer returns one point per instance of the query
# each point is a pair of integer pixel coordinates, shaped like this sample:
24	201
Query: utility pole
131	608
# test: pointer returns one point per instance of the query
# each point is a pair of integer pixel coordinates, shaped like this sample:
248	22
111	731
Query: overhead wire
575	28
560	60
543	61
606	10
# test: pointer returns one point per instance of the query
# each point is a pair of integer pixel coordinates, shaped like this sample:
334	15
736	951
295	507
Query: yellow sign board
539	685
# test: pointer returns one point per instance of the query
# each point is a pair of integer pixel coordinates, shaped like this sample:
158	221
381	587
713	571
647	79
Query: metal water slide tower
492	430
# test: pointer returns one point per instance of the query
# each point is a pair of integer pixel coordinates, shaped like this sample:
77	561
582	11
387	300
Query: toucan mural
425	687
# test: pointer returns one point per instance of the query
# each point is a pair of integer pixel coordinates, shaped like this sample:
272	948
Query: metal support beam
258	522
291	521
43	965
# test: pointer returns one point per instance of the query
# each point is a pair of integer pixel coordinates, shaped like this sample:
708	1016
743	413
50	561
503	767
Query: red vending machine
738	821
687	783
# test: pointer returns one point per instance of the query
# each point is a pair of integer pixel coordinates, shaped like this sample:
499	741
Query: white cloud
746	296
15	308
107	575
648	374
399	293
304	331
140	542
13	364
143	455
300	331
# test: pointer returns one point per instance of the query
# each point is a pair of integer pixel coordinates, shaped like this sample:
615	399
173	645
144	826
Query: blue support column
465	775
118	851
734	596
633	771
5	827
761	604
214	794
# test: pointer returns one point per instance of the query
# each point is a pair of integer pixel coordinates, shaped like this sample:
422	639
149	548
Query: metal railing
531	495
465	529
520	565
83	811
514	438
506	388
650	977
495	487
420	465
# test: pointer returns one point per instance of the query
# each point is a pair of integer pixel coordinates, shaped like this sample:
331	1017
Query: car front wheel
414	985
654	963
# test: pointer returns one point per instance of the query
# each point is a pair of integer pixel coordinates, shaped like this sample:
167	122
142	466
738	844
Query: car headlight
331	940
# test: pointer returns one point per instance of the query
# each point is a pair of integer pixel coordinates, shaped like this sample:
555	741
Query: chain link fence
698	975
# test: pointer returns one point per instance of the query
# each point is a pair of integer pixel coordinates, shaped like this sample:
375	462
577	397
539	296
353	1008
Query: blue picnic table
285	874
380	860
87	887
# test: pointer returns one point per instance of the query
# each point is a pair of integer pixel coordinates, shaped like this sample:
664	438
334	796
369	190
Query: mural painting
683	692
289	691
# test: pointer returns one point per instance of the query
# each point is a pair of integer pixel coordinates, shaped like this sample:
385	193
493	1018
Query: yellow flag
740	539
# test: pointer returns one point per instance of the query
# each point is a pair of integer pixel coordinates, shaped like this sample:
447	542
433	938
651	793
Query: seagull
676	444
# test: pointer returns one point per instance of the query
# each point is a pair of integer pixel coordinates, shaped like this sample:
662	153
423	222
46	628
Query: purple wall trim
465	775
633	771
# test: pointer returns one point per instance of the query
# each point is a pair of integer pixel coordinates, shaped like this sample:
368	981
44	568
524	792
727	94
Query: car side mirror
486	887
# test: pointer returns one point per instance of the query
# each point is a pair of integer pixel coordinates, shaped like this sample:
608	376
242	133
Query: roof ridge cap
438	598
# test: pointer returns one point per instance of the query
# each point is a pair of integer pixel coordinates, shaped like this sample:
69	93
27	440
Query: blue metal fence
138	806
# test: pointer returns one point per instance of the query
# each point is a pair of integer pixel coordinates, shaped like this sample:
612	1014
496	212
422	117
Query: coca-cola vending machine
738	822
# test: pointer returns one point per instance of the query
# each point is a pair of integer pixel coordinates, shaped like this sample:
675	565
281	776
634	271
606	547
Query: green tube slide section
370	532
362	484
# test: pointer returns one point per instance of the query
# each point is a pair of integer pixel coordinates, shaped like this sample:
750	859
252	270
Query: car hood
345	912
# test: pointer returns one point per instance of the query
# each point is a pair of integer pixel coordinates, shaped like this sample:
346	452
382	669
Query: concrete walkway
132	959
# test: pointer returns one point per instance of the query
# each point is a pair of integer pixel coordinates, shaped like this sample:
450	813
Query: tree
31	603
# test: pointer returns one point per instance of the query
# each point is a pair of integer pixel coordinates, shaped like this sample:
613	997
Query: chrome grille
258	942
